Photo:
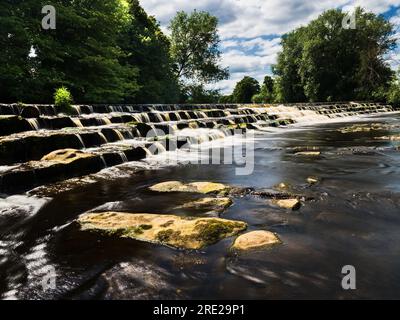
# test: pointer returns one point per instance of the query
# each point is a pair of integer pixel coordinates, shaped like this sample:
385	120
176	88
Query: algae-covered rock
255	240
209	205
195	187
293	204
171	230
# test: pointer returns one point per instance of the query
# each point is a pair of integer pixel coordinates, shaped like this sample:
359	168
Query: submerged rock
195	187
293	204
255	239
180	232
210	205
308	153
312	180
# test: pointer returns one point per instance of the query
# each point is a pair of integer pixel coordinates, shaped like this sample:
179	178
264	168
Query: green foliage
199	94
393	94
266	94
226	99
148	48
245	89
195	47
15	65
326	62
82	53
63	100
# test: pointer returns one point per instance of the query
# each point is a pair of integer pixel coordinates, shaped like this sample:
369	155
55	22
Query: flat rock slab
195	187
67	156
255	240
176	231
210	205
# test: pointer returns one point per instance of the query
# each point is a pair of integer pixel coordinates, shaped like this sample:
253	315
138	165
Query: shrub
258	98
63	100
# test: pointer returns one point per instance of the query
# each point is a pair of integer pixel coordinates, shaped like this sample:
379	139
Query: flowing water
352	217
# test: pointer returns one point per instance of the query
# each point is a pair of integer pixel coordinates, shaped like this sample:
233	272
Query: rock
308	153
210	205
312	180
179	232
293	204
282	187
390	138
30	112
255	240
13	124
67	156
195	187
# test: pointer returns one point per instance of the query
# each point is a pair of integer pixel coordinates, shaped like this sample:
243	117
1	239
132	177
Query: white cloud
244	25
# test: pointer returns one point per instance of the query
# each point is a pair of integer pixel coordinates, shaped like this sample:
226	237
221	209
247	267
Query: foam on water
22	204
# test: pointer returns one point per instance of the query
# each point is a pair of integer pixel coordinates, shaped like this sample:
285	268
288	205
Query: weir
39	144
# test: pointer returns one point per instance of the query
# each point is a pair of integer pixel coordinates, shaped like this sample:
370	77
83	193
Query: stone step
50	110
39	146
16	124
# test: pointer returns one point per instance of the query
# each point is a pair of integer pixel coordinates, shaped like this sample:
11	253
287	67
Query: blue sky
250	29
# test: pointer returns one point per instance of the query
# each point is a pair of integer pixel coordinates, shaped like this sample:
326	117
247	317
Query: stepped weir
39	144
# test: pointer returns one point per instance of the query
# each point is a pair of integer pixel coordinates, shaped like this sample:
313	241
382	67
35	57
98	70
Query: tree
393	94
197	93
83	52
147	48
15	46
266	94
195	47
290	87
245	89
326	62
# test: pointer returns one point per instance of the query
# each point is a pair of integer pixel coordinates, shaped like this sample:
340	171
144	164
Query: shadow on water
352	219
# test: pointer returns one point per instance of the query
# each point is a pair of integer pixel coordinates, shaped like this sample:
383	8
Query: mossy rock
175	231
195	187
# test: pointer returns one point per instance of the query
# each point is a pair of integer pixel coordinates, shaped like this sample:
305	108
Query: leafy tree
15	46
393	94
82	53
195	47
266	94
148	48
199	94
324	61
287	68
245	89
226	99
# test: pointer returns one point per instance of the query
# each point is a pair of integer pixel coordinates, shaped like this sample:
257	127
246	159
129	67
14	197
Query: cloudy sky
250	29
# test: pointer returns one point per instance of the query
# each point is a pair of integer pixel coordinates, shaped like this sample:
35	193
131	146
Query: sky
250	30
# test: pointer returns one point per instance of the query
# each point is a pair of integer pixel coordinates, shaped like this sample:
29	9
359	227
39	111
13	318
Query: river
351	217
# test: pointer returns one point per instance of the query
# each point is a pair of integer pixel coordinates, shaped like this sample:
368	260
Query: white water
21	205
